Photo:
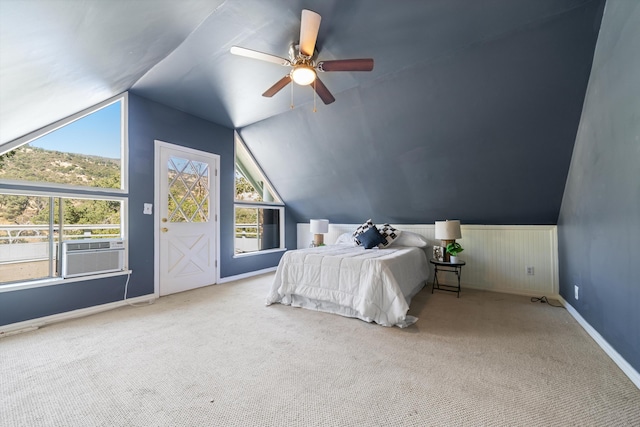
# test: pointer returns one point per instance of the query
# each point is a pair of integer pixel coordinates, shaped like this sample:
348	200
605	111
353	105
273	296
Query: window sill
57	281
268	251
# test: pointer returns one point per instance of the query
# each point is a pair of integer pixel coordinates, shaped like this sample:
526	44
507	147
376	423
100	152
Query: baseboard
246	275
511	291
628	370
32	324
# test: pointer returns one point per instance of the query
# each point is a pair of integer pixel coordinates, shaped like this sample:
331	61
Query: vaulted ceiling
470	112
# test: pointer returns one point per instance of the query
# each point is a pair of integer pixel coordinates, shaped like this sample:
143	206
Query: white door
186	203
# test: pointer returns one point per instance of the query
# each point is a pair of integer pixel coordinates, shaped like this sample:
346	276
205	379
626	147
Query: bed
374	285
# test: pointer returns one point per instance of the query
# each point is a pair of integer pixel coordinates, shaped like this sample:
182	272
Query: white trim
266	251
31	191
217	217
156	201
57	281
260	204
247	275
56	188
507	291
124	143
628	370
32	324
156	220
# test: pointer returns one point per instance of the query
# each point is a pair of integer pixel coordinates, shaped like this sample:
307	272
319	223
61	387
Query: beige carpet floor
217	356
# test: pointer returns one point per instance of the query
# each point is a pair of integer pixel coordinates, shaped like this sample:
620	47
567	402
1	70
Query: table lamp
448	231
318	228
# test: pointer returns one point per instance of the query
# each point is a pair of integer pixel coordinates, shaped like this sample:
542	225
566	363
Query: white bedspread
374	285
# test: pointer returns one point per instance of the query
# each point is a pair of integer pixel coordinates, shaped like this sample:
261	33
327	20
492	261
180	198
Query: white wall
496	255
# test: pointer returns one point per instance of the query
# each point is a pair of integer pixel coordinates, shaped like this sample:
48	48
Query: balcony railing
14	234
24	243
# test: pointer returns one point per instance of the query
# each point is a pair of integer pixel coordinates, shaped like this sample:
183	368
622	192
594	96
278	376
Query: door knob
164	219
165	229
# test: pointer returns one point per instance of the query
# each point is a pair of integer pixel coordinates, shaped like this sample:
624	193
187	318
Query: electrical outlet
529	271
576	289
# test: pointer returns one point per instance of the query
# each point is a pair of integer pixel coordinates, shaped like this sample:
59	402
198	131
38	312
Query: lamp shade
448	230
319	226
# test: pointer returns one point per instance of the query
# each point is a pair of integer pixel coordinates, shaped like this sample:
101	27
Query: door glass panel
188	198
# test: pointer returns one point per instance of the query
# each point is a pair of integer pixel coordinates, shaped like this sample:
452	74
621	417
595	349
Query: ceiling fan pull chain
314	95
292	96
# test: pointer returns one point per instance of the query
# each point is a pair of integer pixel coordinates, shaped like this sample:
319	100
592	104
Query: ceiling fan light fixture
303	75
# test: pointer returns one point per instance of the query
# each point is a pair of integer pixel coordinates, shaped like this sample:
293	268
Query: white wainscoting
497	256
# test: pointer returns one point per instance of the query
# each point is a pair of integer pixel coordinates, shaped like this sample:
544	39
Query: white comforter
374	285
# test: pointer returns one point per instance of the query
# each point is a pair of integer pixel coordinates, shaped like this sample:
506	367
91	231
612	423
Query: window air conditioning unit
92	256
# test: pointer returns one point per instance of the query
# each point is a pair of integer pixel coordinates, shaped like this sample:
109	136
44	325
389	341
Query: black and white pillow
362	229
389	234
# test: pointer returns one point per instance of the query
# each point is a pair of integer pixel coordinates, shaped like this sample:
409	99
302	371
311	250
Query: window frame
124	152
47	189
280	208
267	183
256	204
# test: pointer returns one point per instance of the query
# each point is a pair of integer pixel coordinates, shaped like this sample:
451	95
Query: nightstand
448	267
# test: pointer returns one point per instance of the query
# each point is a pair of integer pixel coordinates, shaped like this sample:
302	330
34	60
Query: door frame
156	202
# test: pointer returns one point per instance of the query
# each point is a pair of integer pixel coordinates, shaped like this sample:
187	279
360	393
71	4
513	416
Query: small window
257	228
259	213
251	184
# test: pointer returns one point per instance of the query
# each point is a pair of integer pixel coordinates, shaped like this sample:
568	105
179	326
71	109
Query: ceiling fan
303	62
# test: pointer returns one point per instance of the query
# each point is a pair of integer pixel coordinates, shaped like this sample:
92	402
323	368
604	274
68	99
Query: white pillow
407	238
389	234
346	239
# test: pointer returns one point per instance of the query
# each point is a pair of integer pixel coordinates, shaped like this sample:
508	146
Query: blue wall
149	121
599	224
483	133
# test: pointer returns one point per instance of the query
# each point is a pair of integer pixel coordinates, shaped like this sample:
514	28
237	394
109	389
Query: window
31	230
259	212
86	152
67	182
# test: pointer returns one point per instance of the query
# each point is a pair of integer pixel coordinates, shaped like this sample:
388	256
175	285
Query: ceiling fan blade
322	91
254	54
364	64
309	26
278	86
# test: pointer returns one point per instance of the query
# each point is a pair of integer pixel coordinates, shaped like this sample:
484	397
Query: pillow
389	234
371	238
346	239
407	238
364	227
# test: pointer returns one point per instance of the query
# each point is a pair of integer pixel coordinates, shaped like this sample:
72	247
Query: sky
97	134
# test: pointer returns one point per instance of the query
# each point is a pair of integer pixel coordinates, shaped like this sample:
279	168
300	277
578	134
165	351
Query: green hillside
36	164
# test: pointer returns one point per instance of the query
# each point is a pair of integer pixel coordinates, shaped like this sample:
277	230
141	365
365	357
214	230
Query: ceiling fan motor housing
295	54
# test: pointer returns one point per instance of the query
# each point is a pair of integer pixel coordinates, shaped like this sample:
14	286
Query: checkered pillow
360	230
389	234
